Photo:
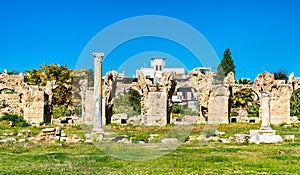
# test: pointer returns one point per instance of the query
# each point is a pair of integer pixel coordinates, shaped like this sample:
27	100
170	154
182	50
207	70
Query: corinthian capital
98	57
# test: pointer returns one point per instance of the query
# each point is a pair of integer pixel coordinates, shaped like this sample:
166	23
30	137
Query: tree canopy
280	75
295	103
129	103
62	76
226	66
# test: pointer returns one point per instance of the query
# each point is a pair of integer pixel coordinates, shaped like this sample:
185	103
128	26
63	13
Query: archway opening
244	104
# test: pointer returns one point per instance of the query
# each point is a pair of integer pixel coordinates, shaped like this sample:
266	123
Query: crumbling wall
214	99
143	86
109	93
34	106
33	102
156	100
204	86
87	102
280	94
280	104
168	84
217	102
218	112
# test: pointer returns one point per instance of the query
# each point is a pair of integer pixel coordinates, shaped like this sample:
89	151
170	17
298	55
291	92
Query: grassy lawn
194	158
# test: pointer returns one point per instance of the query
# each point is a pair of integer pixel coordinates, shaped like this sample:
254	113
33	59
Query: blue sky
263	35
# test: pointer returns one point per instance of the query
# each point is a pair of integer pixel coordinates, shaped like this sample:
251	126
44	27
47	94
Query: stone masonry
33	102
214	99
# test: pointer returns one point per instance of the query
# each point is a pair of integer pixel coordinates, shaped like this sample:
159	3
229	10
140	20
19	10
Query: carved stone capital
98	57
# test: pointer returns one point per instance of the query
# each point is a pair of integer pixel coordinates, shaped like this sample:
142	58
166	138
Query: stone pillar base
264	136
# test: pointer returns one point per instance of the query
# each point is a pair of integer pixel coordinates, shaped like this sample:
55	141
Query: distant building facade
157	68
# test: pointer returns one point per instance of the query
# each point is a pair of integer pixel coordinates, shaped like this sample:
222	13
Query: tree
244	100
62	75
123	104
243	81
280	75
135	100
295	103
226	66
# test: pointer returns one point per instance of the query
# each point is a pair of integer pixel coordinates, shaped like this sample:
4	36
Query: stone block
169	140
46	130
21	140
117	118
254	133
266	139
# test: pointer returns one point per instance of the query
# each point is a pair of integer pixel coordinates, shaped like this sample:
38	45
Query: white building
157	68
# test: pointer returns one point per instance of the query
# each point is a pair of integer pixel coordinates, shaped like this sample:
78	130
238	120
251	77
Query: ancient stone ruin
156	99
32	101
214	99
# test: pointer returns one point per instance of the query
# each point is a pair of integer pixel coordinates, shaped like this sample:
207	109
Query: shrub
234	114
16	119
61	111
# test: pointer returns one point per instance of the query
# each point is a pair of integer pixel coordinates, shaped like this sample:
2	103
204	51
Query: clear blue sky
263	35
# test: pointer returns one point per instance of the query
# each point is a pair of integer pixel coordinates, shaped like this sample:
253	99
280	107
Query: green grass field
194	158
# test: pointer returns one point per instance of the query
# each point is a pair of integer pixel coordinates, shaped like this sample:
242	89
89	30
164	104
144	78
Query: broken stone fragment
48	130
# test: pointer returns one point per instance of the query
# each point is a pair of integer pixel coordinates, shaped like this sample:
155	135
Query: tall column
265	111
98	58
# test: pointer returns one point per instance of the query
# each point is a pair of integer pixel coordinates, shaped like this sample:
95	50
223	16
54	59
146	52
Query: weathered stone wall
218	112
87	100
109	93
149	103
214	99
33	102
280	104
34	107
204	85
280	93
157	113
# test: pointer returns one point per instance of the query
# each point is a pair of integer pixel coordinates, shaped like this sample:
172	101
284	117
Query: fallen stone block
48	130
169	140
21	140
266	139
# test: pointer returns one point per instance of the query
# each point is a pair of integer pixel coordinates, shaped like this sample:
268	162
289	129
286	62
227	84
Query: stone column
98	58
265	111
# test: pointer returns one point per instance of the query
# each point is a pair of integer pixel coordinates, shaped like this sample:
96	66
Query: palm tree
242	99
243	81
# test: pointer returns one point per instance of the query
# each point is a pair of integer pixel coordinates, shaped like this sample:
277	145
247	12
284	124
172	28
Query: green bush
16	119
61	111
234	114
176	108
